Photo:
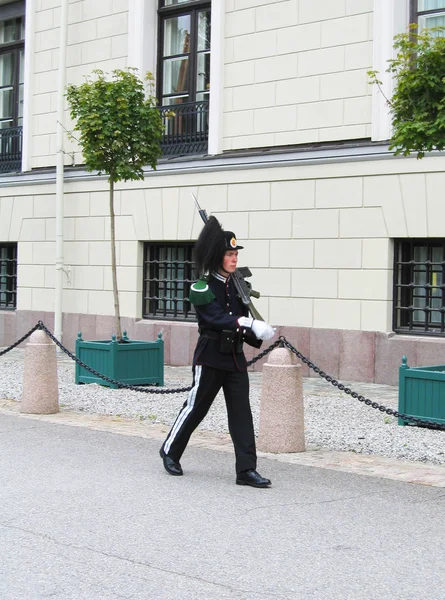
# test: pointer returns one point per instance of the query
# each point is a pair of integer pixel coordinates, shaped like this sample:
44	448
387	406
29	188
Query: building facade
278	134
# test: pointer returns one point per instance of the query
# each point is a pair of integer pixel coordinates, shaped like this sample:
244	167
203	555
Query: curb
348	462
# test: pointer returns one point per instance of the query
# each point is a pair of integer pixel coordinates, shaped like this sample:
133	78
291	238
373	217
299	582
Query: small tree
418	103
120	133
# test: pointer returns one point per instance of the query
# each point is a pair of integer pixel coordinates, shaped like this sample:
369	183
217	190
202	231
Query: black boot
252	478
172	467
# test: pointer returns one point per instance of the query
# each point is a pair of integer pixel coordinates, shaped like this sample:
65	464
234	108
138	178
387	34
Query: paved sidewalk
361	464
92	515
350	462
88	513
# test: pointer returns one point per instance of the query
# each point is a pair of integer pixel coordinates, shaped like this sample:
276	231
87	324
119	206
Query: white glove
245	321
262	330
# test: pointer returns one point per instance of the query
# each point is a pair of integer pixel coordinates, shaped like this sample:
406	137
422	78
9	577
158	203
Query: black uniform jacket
219	315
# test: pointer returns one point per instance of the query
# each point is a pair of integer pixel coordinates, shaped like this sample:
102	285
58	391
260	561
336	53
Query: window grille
419	286
8	276
168	274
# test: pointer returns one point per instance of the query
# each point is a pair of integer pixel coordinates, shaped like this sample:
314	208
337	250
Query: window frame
15	48
152	296
405	286
11	136
415	13
11	274
165	12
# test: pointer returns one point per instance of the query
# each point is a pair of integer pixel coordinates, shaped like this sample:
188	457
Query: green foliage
120	127
418	102
120	133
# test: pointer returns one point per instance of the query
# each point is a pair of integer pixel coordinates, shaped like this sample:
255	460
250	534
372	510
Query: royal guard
219	361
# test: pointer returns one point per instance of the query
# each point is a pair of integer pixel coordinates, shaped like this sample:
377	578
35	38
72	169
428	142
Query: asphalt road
93	515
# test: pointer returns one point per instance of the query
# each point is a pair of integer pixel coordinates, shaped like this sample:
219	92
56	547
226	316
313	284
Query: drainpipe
59	169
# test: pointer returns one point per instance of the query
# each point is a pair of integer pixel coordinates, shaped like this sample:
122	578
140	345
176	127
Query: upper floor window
12	61
184	73
8	276
419	286
428	13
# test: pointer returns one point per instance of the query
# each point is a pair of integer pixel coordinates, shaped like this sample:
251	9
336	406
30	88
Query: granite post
40	387
281	427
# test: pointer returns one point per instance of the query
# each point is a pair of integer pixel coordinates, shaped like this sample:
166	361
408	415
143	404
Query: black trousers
207	382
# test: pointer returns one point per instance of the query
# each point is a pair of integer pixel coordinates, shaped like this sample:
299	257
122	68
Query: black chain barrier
282	342
22	339
279	342
359	397
120	384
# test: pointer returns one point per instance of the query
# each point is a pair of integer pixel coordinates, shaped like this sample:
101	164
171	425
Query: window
12	58
419	286
8	276
184	74
168	275
428	13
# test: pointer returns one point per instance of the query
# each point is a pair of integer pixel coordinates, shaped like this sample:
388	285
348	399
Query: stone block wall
296	72
97	39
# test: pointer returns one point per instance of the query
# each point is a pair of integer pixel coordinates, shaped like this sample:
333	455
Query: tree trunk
117	316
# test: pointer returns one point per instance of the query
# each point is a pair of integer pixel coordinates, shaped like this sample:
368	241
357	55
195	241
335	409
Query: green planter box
134	362
422	392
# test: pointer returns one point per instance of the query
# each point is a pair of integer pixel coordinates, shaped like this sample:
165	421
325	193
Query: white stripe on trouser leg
184	412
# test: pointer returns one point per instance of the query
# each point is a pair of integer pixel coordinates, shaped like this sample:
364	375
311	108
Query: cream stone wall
296	71
97	39
321	260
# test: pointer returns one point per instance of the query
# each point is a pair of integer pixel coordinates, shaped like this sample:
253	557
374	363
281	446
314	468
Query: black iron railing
186	128
11	149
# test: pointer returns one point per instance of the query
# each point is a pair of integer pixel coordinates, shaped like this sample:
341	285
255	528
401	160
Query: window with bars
419	286
8	276
428	13
168	274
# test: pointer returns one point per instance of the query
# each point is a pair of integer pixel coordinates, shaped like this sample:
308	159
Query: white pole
27	89
60	169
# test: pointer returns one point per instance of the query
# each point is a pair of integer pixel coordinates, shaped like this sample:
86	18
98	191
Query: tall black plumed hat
213	242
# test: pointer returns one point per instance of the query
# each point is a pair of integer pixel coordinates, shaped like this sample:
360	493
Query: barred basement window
8	276
168	275
419	290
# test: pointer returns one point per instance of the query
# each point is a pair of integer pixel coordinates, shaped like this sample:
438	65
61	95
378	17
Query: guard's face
230	261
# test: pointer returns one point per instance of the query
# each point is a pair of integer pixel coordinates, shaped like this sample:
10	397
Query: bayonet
201	211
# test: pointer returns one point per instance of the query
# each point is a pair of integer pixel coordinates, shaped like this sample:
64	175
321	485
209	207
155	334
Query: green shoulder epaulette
200	293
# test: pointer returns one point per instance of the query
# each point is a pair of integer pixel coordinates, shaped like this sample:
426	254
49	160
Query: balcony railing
11	149
186	128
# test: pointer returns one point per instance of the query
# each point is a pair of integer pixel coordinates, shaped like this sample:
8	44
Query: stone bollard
40	388
281	427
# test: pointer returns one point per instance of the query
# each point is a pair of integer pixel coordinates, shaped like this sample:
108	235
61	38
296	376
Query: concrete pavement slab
91	514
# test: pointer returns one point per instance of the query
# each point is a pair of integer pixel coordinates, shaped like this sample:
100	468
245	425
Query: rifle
242	286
